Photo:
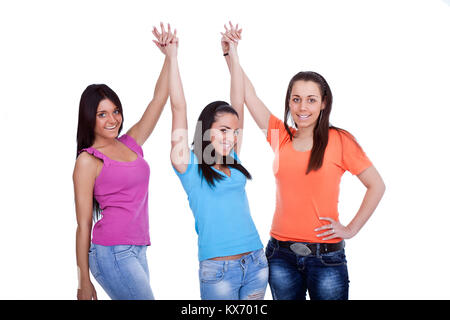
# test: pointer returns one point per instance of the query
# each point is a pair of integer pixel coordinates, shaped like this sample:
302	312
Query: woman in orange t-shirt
306	249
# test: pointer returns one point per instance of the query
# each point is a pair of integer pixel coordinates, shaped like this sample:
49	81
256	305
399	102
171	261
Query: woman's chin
224	152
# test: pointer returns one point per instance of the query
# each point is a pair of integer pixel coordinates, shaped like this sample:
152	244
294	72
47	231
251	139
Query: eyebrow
117	108
225	127
311	95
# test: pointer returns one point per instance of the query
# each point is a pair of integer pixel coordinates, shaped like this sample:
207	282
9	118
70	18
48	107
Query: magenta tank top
121	189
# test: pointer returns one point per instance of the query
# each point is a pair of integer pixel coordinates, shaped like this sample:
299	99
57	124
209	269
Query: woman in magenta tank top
111	178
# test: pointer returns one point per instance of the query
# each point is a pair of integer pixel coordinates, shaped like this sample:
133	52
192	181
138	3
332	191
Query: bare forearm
145	126
176	92
83	241
259	112
237	91
161	92
249	90
179	146
369	204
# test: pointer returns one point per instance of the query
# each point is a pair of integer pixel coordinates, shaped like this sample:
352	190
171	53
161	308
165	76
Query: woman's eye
101	115
116	111
296	99
224	130
312	100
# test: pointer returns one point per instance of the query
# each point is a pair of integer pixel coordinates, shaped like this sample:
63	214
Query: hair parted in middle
321	128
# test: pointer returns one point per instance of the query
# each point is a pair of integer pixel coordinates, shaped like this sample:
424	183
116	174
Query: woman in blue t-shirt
232	262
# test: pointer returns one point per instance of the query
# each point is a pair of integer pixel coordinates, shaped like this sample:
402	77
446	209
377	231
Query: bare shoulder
86	160
86	165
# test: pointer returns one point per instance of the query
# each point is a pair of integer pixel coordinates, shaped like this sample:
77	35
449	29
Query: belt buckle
300	249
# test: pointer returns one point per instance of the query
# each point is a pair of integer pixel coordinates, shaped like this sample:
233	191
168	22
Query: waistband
252	256
306	248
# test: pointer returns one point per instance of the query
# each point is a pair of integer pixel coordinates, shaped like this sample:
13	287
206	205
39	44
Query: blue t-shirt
222	215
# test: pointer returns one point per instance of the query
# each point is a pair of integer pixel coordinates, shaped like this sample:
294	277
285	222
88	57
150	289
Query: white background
387	63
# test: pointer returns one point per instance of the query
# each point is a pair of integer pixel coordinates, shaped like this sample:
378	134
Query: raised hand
230	38
165	38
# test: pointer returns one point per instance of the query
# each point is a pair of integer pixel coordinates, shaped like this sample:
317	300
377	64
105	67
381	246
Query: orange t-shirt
302	198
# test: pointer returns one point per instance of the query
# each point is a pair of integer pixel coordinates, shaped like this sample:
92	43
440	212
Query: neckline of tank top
117	161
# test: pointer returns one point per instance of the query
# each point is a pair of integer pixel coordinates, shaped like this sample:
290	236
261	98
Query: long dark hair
90	98
321	129
203	148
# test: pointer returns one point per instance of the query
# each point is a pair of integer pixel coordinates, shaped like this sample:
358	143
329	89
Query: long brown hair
87	112
321	129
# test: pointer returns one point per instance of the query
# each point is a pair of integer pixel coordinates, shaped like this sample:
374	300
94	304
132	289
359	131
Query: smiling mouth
304	116
111	128
227	145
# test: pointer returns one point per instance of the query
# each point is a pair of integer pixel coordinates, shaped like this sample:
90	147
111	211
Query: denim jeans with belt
121	270
240	279
324	276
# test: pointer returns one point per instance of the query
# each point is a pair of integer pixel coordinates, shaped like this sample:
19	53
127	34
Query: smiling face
305	103
223	133
108	120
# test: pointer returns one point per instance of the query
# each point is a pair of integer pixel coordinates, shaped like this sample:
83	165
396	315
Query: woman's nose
111	119
302	105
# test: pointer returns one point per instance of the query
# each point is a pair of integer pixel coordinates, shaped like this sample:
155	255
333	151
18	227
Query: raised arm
144	127
83	180
237	90
179	154
257	108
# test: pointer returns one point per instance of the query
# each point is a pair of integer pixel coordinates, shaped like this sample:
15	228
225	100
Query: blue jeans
121	270
240	279
324	276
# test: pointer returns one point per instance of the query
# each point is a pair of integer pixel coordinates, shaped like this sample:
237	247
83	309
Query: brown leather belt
298	247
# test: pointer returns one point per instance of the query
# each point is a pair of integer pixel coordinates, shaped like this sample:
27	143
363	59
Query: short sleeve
277	134
96	154
354	158
187	178
132	144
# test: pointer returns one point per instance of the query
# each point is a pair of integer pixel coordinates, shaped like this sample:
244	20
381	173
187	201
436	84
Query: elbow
84	227
379	188
250	95
383	187
177	107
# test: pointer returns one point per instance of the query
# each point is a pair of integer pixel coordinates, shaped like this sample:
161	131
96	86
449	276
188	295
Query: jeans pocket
93	264
123	251
270	250
333	259
262	259
211	271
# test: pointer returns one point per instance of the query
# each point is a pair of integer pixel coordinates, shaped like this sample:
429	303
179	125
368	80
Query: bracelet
225	54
